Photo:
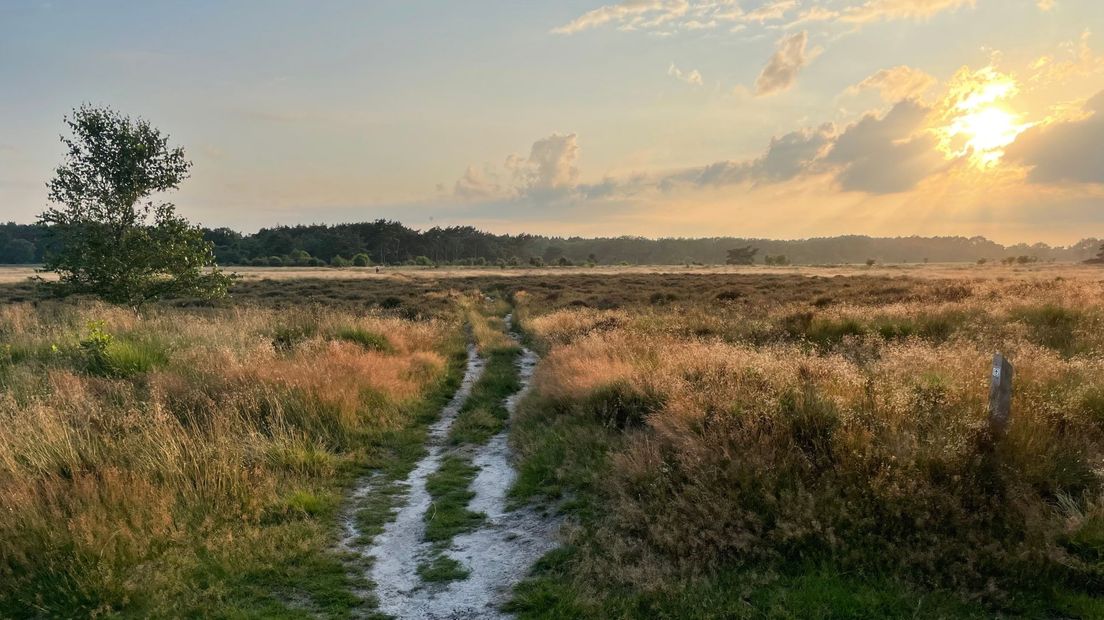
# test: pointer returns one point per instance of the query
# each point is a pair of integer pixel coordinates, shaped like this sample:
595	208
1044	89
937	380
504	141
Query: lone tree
742	256
1099	259
112	240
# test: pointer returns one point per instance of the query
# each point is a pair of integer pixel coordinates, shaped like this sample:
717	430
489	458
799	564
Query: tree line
384	242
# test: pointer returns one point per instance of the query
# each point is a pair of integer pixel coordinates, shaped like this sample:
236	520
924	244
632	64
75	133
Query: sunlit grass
712	443
194	463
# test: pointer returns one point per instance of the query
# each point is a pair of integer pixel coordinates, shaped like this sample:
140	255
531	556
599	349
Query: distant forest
391	243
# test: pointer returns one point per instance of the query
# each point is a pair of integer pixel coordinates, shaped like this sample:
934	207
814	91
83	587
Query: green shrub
620	405
812	424
367	339
1050	325
106	356
827	332
1087	541
286	337
1092	402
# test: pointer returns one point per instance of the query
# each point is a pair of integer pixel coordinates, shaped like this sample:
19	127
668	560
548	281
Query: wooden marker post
1000	394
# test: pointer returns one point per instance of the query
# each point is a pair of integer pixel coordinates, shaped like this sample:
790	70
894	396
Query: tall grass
191	463
798	438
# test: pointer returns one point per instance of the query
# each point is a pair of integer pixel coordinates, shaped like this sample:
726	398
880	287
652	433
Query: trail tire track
498	554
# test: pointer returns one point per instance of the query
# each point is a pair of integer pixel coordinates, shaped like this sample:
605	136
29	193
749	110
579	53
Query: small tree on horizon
112	241
742	256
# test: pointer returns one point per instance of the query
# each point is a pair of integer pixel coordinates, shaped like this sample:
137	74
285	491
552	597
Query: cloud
1067	151
476	185
551	163
549	170
876	155
897	83
786	158
666	17
881	10
771	11
691	77
650	15
781	72
621	12
1078	60
888	154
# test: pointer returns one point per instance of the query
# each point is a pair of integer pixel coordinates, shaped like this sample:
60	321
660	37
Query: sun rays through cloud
979	122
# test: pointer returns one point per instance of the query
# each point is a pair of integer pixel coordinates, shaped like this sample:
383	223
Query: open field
819	449
10	274
194	463
721	442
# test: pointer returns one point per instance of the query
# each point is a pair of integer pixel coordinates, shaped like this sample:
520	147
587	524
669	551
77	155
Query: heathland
719	442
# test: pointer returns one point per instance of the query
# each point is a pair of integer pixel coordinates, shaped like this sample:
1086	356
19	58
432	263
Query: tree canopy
109	238
741	256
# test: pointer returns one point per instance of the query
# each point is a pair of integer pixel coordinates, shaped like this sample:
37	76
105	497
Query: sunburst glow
986	132
979	123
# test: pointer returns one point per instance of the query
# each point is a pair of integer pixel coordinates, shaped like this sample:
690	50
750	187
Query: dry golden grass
749	436
189	442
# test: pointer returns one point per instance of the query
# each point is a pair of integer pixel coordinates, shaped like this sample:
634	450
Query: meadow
821	448
723	443
194	462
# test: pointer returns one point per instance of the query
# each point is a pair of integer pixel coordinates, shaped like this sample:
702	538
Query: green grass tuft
448	515
368	340
484	414
442	569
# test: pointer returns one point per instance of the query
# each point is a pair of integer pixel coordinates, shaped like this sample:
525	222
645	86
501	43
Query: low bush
368	340
1050	325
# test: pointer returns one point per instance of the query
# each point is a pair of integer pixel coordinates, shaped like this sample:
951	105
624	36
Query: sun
979	124
985	132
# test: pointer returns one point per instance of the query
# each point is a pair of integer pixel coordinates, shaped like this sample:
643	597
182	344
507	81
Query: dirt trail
498	554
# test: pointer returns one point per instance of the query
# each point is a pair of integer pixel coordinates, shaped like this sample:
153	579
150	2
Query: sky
752	118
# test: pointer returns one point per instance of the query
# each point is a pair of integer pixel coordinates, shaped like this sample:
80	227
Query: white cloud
652	15
476	184
552	162
897	83
1077	59
881	10
781	72
690	77
617	13
550	169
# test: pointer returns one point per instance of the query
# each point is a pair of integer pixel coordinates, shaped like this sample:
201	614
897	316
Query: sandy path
498	554
396	549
